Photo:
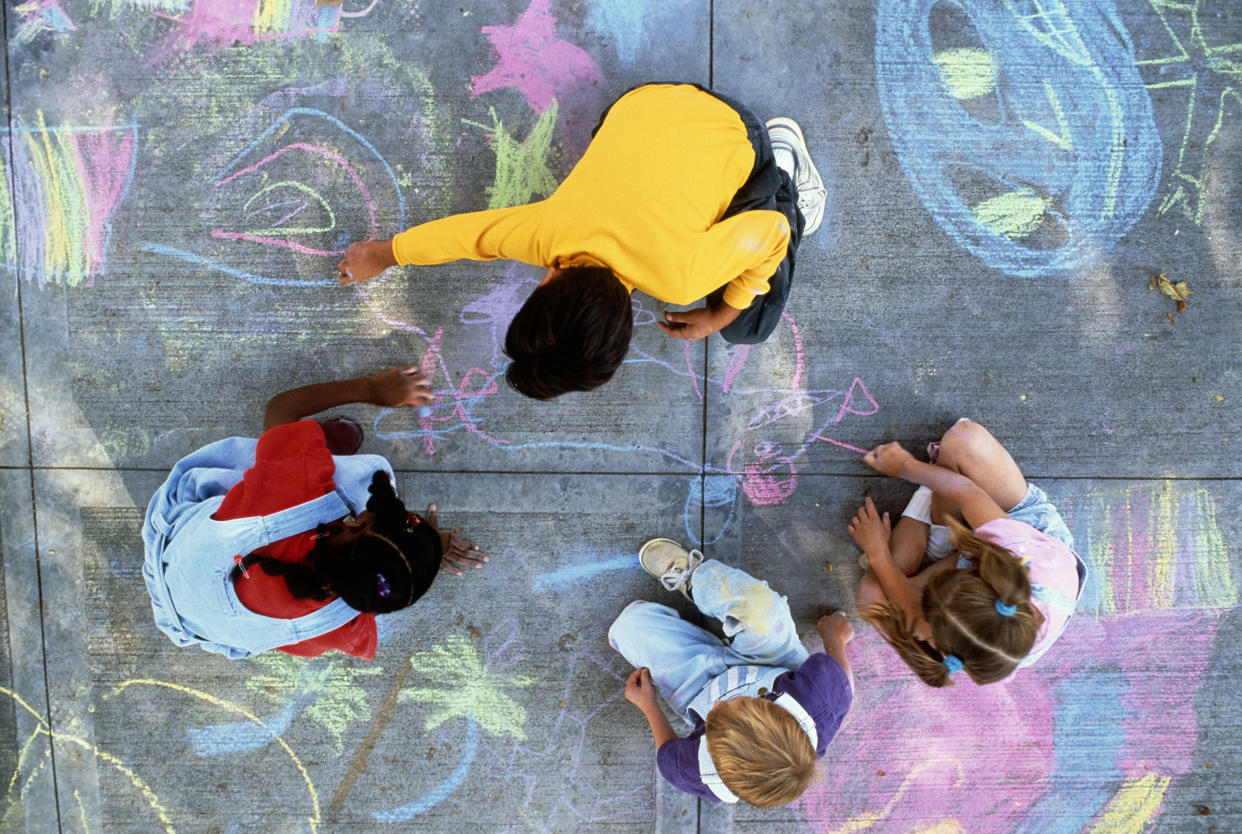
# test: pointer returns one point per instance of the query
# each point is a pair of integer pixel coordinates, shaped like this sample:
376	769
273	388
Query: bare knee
964	439
869	591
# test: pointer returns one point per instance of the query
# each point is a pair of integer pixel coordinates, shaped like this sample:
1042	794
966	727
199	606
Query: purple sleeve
823	689
678	761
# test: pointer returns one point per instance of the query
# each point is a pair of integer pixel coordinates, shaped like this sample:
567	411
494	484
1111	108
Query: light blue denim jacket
189	555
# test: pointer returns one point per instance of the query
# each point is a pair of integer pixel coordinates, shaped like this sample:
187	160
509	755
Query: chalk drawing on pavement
66	183
1210	73
1071	161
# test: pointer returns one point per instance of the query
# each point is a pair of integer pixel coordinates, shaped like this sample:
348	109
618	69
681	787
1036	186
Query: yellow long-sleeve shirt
645	201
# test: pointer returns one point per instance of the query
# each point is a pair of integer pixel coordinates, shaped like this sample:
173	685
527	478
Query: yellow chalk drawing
1133	808
315	818
521	169
465	687
42	728
81	812
866	820
271	16
1156	547
944	827
1014	214
52	157
328	684
968	72
1204	65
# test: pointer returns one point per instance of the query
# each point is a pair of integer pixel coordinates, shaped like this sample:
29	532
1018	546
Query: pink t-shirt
1051	563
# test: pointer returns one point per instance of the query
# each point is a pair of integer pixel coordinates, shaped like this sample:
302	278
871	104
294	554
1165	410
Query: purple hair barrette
382	585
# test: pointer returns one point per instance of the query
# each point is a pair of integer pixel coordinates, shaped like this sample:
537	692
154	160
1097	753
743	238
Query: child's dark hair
383	571
571	334
964	610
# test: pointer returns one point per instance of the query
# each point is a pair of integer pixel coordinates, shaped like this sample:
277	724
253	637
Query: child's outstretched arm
640	691
977	506
836	630
392	388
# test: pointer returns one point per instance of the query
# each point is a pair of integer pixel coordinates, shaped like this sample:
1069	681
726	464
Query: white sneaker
812	195
670	563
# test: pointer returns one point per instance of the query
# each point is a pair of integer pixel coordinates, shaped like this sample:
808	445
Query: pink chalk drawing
1092	736
532	58
215	24
771	395
66	183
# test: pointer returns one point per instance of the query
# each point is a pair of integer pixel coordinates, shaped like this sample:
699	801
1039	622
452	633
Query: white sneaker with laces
670	563
788	142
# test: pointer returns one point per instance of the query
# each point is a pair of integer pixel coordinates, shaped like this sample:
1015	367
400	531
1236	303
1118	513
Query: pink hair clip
237	560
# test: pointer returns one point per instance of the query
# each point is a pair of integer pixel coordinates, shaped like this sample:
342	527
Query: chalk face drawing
1205	66
66	184
1033	144
1090	738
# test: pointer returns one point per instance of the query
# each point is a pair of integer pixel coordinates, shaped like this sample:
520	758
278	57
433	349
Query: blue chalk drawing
199	260
1080	783
625	21
445	788
1075	131
239	736
716	491
576	573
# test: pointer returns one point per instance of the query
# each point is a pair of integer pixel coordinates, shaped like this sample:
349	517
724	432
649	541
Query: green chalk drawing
462	685
968	72
521	168
328	684
1014	215
292	230
1209	71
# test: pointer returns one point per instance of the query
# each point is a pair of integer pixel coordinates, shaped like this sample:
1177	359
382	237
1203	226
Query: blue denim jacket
189	555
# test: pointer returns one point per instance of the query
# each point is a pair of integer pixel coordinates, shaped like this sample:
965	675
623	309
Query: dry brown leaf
1170	315
1181	306
1178	292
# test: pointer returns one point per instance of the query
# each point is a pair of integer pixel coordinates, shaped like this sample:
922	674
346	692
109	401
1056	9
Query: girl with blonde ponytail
961	583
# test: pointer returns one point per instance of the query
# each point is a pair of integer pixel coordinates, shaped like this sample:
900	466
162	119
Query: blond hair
961	608
760	752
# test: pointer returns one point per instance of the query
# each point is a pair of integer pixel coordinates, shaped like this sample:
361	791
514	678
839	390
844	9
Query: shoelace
674	578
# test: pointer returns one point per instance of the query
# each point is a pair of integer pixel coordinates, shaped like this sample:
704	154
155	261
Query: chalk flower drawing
1211	77
326	686
463	686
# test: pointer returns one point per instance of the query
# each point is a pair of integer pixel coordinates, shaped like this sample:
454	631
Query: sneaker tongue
785	160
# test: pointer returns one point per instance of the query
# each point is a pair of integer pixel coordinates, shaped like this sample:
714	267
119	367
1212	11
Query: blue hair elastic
1005	610
953	663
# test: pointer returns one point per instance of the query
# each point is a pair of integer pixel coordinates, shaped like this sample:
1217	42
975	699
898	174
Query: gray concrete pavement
1005	179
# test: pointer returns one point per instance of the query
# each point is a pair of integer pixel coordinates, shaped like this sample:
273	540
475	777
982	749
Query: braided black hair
384	571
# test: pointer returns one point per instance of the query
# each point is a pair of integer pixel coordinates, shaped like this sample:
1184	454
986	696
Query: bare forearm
661	730
896	584
291	406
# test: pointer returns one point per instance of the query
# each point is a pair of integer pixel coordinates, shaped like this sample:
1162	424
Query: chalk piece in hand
424	411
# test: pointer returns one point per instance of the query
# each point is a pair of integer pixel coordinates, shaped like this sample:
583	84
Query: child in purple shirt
762	710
